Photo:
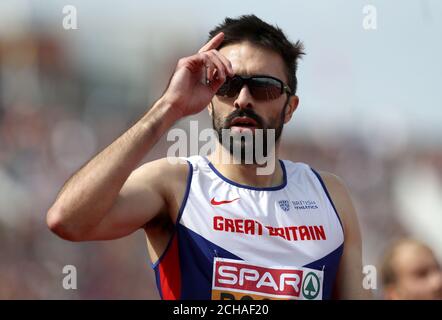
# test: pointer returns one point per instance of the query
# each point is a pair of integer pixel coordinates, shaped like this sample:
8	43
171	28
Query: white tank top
233	241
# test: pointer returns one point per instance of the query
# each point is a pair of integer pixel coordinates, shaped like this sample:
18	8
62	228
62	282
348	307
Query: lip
238	121
236	129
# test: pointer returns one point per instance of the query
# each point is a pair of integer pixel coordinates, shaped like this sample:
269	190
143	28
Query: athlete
410	271
218	230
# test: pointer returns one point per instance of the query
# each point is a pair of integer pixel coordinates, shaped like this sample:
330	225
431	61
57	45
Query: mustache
243	113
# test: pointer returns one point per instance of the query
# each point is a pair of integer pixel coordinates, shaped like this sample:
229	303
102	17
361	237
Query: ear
291	107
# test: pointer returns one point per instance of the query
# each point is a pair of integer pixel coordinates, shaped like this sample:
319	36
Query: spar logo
236	279
311	286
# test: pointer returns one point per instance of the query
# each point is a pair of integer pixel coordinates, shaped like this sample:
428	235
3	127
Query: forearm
91	192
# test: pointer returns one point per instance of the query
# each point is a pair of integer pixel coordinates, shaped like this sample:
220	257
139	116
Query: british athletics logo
239	280
284	205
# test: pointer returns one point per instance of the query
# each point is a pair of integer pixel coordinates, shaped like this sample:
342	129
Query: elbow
58	225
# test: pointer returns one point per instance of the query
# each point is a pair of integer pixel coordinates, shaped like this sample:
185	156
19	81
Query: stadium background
370	112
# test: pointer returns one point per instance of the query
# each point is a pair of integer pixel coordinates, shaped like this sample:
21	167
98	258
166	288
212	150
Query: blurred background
370	111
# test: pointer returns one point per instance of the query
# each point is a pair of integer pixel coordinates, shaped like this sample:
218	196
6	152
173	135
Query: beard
239	142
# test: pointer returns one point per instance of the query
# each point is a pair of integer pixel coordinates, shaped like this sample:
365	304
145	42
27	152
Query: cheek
274	118
221	106
415	285
218	117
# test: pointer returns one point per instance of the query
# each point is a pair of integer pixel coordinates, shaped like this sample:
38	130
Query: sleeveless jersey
233	241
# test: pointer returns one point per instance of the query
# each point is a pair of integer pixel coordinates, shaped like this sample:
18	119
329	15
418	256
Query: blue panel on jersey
196	262
330	264
157	281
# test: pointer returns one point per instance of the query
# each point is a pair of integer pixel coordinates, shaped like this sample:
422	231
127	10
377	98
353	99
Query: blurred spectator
410	271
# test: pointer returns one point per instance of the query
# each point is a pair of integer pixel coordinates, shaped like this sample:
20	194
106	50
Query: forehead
412	258
249	59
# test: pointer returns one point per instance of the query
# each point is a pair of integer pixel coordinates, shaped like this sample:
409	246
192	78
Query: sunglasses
262	88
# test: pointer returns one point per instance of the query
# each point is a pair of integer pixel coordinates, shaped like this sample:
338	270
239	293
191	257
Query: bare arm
107	199
97	188
349	277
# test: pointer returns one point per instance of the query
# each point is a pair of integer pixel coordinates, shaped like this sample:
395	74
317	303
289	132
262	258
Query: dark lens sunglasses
261	87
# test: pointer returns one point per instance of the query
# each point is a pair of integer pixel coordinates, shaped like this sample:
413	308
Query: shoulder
164	173
169	166
340	195
333	182
349	275
169	178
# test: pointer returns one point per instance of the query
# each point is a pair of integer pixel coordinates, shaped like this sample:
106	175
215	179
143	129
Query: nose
244	98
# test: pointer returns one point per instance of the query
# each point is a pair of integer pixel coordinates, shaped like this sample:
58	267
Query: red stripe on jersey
170	273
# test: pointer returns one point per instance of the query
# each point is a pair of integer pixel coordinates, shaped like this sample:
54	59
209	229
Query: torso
292	227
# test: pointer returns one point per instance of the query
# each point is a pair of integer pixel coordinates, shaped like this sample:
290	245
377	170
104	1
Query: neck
265	175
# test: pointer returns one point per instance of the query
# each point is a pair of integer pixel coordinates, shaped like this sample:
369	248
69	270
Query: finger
213	43
216	84
226	62
220	69
209	70
211	65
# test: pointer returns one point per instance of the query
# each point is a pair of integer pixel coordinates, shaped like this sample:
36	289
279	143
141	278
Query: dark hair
251	28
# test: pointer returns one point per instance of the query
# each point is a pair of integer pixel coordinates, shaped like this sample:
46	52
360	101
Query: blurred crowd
53	118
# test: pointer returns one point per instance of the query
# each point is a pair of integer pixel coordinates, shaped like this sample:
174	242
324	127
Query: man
219	230
410	271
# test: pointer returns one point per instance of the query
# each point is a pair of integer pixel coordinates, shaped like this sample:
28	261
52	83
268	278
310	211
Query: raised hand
197	78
